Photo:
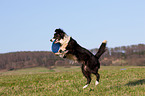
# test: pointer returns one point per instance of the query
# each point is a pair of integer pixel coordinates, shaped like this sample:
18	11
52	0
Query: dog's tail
102	49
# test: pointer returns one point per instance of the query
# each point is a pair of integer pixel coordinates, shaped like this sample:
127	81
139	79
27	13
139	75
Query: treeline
124	55
19	60
118	56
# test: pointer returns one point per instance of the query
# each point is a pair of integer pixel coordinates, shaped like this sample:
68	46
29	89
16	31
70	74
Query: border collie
70	49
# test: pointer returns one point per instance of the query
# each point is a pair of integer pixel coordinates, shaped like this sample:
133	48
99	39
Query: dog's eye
57	35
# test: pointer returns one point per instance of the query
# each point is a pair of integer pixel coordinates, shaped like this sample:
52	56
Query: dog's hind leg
88	80
98	77
95	72
87	74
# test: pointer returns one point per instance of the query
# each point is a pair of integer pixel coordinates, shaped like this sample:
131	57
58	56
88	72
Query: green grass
70	81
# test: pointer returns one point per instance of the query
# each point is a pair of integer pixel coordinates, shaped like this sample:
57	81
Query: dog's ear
59	30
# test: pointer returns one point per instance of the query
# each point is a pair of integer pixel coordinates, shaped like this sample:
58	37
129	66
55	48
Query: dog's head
58	35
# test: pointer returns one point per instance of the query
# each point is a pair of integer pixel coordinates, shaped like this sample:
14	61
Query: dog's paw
85	86
57	54
96	83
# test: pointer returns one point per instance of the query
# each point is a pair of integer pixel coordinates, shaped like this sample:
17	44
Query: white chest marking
64	42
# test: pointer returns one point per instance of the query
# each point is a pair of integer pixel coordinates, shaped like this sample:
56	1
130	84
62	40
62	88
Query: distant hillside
118	56
124	55
18	60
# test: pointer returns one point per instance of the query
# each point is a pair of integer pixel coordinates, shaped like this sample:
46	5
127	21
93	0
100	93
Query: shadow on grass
137	82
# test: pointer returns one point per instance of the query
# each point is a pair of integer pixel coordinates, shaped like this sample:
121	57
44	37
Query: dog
70	49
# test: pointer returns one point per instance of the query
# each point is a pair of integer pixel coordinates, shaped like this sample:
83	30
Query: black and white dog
72	50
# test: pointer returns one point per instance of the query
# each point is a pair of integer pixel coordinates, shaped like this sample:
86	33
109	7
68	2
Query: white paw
96	83
85	86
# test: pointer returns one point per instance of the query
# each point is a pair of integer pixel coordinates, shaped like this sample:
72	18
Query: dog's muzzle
52	40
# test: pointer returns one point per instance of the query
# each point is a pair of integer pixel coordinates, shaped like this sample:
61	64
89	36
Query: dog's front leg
62	53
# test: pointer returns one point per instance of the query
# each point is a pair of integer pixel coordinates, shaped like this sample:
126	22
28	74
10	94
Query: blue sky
28	25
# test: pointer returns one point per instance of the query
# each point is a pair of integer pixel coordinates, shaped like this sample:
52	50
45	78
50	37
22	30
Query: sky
28	25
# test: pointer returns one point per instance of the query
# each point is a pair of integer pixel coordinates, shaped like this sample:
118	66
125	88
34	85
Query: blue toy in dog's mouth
55	47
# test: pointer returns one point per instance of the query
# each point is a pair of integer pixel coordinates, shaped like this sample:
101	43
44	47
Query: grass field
114	81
